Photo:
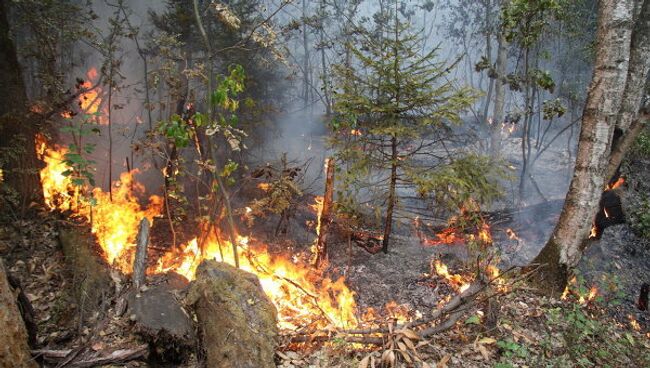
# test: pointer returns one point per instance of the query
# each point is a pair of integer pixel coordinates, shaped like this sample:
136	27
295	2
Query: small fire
485	234
90	101
264	186
356	132
593	234
317	207
616	184
634	323
512	235
453	236
448	236
458	282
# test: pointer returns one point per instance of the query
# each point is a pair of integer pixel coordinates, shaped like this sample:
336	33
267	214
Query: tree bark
17	146
326	214
629	122
14	350
391	196
564	249
140	263
499	96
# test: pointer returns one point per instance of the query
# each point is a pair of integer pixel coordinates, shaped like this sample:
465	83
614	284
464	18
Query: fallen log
92	283
93	358
237	322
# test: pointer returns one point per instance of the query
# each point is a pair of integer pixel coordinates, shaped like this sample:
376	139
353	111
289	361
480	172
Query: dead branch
96	359
325	215
140	263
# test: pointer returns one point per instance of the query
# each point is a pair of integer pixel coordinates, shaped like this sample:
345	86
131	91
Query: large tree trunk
637	76
14	351
564	249
17	146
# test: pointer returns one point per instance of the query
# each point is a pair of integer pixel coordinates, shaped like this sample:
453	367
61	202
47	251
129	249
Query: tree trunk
17	147
391	196
564	249
14	350
627	122
499	97
326	214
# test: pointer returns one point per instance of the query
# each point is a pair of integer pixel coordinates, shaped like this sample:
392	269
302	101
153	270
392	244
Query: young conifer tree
393	104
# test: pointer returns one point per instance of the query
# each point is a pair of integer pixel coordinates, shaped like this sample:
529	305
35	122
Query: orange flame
297	291
301	295
593	234
115	223
264	186
512	235
458	282
616	184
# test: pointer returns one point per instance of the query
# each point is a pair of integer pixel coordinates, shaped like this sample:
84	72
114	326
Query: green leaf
473	320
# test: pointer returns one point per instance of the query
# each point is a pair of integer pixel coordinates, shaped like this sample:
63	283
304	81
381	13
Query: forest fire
301	295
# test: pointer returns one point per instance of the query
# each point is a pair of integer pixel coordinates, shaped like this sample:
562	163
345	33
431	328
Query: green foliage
510	349
181	131
525	21
80	169
591	342
641	218
642	144
392	97
470	179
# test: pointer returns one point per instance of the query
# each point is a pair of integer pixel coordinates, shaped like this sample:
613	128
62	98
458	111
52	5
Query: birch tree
614	96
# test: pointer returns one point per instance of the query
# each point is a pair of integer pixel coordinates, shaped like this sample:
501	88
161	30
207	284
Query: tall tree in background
613	102
390	97
17	130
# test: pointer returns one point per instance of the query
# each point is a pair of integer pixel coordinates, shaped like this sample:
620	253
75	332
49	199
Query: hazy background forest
332	183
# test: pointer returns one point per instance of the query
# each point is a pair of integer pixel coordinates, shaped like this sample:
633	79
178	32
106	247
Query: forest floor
530	330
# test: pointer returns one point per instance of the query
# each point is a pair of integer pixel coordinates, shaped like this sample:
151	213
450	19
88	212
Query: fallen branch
95	359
